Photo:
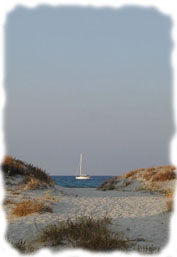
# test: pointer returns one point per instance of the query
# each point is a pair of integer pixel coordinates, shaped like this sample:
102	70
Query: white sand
142	217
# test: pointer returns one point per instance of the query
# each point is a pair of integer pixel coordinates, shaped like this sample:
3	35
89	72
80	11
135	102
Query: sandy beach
139	216
137	204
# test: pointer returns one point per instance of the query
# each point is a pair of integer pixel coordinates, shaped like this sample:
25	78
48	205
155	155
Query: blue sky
96	81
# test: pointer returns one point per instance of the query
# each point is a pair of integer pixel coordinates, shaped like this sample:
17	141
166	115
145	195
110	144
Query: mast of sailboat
80	164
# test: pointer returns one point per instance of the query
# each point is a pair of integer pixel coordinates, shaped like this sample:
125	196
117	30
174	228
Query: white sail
82	176
81	164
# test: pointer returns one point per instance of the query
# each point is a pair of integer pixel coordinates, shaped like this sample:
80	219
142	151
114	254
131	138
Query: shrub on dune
164	175
34	183
12	166
85	232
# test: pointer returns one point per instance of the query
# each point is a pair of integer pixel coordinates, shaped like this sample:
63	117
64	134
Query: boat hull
83	177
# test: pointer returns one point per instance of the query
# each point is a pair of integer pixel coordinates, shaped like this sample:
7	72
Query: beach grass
12	167
24	247
150	179
170	205
30	206
85	232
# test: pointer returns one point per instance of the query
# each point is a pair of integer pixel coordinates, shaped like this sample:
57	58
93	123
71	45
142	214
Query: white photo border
167	8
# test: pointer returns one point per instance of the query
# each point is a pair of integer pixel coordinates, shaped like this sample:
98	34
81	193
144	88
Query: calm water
70	181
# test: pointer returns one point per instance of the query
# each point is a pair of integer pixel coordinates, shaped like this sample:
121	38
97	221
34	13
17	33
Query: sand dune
140	215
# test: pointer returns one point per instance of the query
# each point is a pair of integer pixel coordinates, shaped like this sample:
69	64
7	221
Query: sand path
139	216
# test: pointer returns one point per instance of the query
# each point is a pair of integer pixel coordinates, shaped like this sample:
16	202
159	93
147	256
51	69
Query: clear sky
96	81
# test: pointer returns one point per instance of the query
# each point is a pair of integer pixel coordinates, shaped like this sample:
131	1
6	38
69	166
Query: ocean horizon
71	181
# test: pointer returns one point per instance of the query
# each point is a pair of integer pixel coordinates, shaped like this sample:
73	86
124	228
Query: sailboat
82	176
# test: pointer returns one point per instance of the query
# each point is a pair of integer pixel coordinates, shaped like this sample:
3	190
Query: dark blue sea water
70	181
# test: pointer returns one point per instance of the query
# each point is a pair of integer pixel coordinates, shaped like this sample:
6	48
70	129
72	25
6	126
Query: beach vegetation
15	192
23	246
169	193
128	182
50	197
170	205
34	183
111	187
27	207
106	185
164	175
147	249
85	232
151	179
141	188
12	167
159	173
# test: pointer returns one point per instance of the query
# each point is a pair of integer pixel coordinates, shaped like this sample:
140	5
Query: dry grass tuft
23	247
160	173
111	187
30	206
12	166
15	192
130	174
140	189
170	205
147	249
86	233
169	194
34	183
50	197
109	184
149	178
164	175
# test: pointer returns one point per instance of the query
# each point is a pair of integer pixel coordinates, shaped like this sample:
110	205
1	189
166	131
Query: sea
71	181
